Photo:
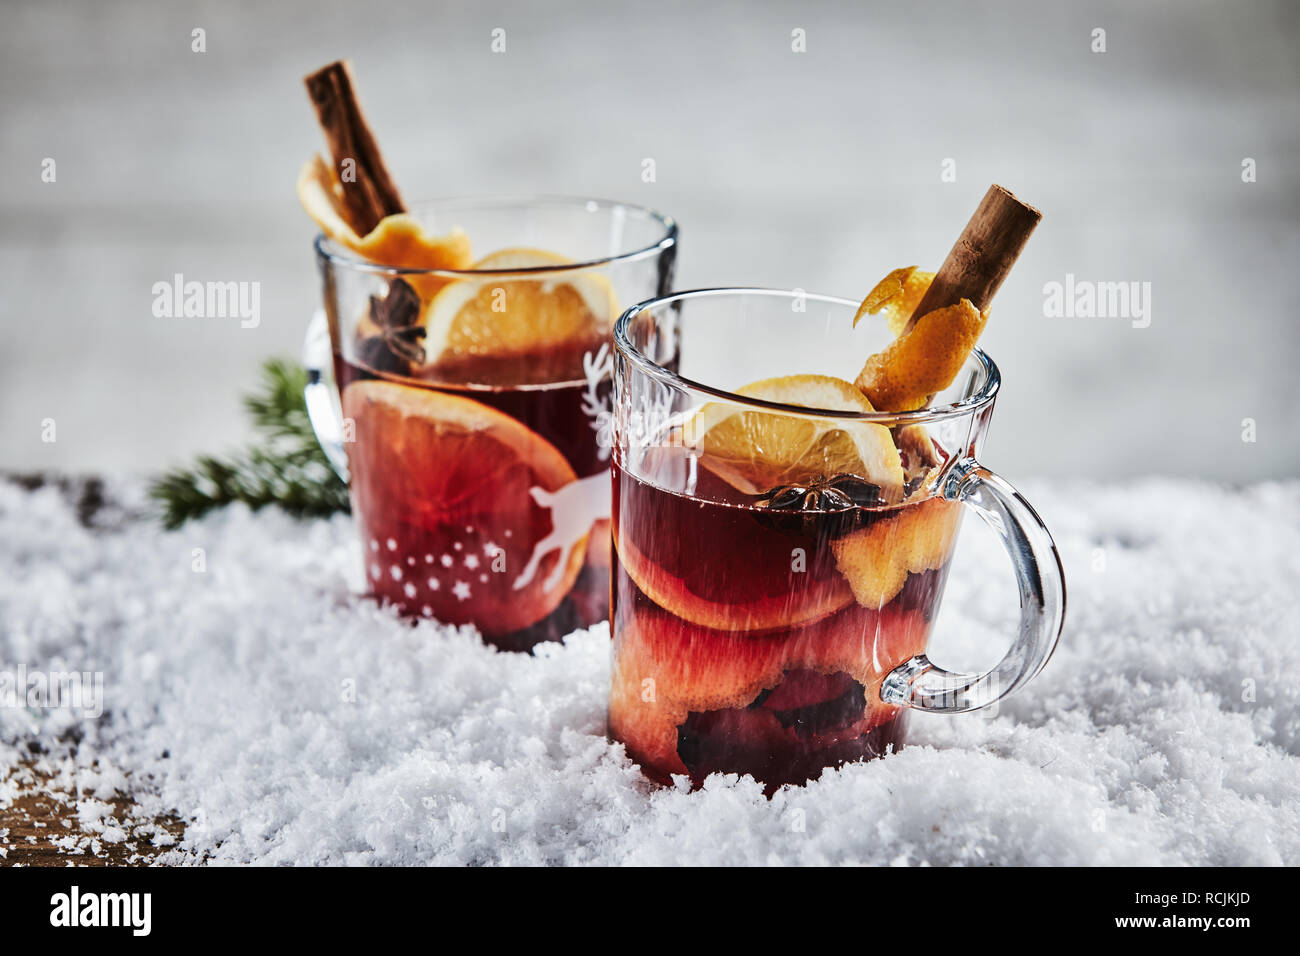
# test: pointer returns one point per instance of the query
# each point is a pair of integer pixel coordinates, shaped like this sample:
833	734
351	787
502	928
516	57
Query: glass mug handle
923	685
322	398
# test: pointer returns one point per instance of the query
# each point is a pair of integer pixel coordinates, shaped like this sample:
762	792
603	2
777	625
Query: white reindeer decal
574	509
598	368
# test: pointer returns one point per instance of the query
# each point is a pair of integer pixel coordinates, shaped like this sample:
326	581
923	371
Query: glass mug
468	409
777	632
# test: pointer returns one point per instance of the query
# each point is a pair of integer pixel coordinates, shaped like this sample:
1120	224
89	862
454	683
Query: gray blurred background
819	170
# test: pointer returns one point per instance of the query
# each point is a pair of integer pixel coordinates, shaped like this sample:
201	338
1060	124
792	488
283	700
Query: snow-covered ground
286	721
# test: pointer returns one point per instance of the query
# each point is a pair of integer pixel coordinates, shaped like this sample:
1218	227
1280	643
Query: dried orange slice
756	451
877	559
504	316
399	241
923	360
443	490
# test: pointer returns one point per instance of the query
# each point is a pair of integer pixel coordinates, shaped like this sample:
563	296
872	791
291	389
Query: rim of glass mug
622	341
339	255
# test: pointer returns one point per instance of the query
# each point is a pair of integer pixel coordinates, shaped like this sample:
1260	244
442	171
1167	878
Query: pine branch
287	469
280	410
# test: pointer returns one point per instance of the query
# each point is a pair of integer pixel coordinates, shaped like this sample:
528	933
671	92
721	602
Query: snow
286	720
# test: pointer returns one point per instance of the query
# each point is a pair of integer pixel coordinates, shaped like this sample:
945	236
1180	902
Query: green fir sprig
286	468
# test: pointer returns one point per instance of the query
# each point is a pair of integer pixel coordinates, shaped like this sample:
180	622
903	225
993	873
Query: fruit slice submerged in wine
446	492
877	559
802	688
813	685
782	589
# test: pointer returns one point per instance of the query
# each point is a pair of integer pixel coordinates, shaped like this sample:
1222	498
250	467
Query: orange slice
399	241
756	451
877	559
664	668
775	596
441	488
504	316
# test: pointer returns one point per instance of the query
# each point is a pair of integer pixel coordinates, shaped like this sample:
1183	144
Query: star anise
827	502
823	493
405	342
397	315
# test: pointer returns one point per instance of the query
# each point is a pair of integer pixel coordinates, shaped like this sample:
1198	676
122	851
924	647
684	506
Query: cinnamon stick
982	255
368	190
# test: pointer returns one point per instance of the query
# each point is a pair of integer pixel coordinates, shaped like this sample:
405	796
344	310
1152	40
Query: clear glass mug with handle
469	409
777	624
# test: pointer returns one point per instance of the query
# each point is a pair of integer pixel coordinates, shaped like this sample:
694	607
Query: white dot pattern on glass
441	568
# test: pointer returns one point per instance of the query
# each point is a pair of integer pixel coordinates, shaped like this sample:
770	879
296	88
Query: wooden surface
39	825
